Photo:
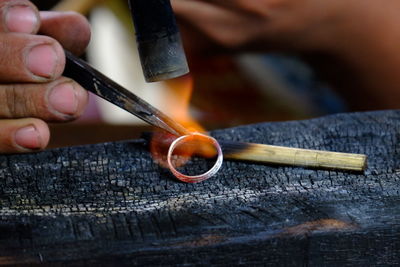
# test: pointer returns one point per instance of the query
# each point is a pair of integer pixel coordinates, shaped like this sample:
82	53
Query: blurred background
221	91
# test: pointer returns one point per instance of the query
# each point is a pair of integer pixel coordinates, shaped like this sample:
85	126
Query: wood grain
110	204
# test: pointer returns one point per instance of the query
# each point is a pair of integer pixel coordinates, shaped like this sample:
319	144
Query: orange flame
180	90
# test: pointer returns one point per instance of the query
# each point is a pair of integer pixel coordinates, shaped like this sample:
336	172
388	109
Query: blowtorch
159	42
162	57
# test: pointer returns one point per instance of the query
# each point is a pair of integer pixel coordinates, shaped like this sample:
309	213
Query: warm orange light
180	90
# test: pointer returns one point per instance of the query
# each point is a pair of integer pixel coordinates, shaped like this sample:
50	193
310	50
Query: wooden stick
80	6
294	156
265	153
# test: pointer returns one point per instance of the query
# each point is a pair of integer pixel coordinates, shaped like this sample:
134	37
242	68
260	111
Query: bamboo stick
294	156
267	154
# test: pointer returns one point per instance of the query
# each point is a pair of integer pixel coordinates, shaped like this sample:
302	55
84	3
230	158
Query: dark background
45	5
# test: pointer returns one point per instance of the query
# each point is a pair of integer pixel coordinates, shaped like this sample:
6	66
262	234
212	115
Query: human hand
32	89
352	44
263	25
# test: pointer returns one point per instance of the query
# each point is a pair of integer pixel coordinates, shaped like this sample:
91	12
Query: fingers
24	135
31	86
33	58
259	7
30	58
23	17
71	29
61	100
19	16
26	57
222	25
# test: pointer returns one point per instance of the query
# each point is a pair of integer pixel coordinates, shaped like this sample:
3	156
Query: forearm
353	44
364	58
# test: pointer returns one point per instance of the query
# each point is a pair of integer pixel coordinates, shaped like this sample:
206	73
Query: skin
32	89
352	44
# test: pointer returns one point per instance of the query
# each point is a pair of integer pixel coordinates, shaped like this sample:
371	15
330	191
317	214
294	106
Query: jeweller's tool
159	41
97	83
157	35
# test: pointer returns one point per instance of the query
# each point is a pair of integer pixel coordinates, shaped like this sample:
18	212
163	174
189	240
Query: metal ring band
195	178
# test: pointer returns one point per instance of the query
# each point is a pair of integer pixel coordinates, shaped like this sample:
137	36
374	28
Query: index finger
71	29
19	16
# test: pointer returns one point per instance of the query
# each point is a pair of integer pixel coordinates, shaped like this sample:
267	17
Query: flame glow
180	90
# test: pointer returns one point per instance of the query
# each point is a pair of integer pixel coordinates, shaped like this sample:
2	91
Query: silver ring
200	177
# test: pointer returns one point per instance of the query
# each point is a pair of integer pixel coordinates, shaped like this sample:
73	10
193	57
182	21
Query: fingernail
21	19
42	60
63	99
28	137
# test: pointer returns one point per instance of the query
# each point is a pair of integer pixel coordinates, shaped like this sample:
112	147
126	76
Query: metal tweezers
99	84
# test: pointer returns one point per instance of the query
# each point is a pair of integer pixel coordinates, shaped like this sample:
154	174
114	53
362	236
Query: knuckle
9	98
17	102
13	99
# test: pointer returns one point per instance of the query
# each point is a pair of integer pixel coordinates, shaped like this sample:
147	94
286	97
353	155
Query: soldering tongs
99	84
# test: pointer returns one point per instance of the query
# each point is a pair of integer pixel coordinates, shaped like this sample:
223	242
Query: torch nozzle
159	41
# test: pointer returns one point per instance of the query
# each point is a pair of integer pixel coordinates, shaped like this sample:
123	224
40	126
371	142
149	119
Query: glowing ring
200	177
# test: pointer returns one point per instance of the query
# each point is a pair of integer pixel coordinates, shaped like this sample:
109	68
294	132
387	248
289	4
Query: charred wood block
112	204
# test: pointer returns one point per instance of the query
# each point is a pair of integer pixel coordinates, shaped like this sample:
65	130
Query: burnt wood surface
111	204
